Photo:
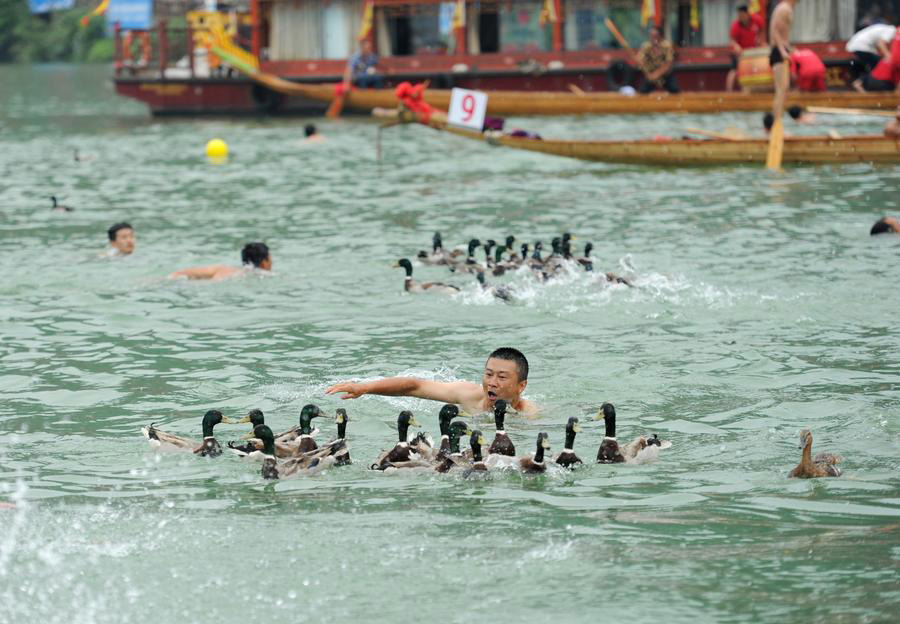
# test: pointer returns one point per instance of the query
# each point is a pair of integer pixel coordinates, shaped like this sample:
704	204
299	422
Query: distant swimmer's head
309	130
121	237
796	112
257	254
886	225
505	375
768	121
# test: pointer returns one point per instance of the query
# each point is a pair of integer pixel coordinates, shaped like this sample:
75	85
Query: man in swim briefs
253	255
779	35
505	377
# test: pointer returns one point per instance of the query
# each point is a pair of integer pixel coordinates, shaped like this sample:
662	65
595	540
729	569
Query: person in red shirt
807	70
747	31
886	75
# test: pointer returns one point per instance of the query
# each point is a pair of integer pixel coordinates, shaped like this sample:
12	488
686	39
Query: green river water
763	307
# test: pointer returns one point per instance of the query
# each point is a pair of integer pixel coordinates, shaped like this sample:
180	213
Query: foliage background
57	36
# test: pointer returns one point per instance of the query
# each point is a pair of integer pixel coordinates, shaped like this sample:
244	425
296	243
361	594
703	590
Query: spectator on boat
361	68
253	256
311	134
886	75
807	70
655	58
886	225
121	239
747	31
868	47
505	377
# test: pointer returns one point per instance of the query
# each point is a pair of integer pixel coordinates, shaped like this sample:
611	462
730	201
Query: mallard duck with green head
476	443
412	286
209	447
300	437
533	464
306	465
567	458
455	459
401	452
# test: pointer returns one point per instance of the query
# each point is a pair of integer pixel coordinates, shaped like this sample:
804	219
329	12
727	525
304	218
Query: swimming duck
401	452
500	266
210	447
305	465
253	447
501	445
476	441
338	447
643	450
301	437
516	260
822	465
566	245
609	451
455	459
586	260
500	292
412	286
437	256
534	464
568	458
59	207
424	446
470	265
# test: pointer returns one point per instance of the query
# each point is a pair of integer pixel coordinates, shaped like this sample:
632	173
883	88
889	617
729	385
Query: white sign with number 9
467	108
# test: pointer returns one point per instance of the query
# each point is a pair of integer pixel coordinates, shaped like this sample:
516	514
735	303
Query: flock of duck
500	259
295	452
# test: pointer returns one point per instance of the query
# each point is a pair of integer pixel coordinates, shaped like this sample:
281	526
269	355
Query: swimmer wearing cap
505	377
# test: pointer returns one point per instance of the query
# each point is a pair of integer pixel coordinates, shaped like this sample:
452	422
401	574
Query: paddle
622	42
576	89
715	135
776	135
337	104
776	146
829	110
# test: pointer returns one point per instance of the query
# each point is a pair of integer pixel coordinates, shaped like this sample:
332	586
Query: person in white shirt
868	46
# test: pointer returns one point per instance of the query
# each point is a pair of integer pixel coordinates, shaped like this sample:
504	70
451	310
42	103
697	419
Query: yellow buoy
216	150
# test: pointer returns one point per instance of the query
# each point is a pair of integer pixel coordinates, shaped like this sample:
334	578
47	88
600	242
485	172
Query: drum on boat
754	72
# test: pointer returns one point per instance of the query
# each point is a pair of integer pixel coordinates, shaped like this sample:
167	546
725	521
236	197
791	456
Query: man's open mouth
492	395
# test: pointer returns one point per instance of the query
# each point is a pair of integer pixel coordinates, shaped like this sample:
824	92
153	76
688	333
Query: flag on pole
549	14
100	10
365	29
459	15
753	7
695	14
648	10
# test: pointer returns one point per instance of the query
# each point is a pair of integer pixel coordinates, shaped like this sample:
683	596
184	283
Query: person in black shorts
775	56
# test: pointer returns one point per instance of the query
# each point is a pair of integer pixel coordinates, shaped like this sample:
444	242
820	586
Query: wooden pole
256	36
117	45
163	43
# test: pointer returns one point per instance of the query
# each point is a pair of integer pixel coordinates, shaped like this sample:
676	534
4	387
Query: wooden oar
713	135
830	110
576	89
776	146
622	42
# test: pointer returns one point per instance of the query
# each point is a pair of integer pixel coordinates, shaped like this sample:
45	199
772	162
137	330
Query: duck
609	451
488	245
401	452
822	465
469	265
305	465
517	259
501	445
424	446
338	447
455	459
300	437
59	207
412	286
535	464
586	261
643	450
209	447
437	256
476	441
253	448
567	458
502	293
566	245
500	266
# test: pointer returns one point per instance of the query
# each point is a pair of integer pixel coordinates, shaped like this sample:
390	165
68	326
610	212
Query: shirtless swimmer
505	377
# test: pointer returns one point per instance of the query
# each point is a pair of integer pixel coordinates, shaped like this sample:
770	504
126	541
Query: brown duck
822	465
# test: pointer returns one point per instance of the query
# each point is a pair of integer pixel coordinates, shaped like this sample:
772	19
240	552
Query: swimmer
253	255
121	239
892	128
886	225
312	134
505	377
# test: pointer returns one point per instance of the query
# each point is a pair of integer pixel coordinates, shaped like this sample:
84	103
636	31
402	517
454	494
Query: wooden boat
692	152
561	103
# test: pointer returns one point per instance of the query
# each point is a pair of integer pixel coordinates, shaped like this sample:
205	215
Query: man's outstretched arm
444	391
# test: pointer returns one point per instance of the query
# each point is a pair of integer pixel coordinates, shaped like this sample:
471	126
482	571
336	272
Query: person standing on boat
886	75
747	31
361	68
807	70
779	35
655	58
868	47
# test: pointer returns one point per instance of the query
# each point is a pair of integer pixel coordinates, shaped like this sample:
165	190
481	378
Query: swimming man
253	255
121	239
505	377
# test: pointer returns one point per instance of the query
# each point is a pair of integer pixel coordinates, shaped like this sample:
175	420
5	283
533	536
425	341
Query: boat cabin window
489	31
418	29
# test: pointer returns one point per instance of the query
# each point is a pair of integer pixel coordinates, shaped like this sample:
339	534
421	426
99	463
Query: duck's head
404	263
654	440
510	241
480	277
500	406
446	416
805	438
211	419
476	441
341	418
473	245
573	426
254	417
588	248
436	242
556	244
566	237
607	410
406	420
524	250
308	412
265	435
543	441
458	429
498	253
488	245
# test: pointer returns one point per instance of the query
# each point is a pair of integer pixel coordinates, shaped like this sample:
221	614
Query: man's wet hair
881	227
768	121
254	253
113	231
795	112
513	355
309	129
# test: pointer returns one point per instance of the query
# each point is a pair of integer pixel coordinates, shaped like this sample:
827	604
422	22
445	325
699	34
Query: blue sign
45	6
131	14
